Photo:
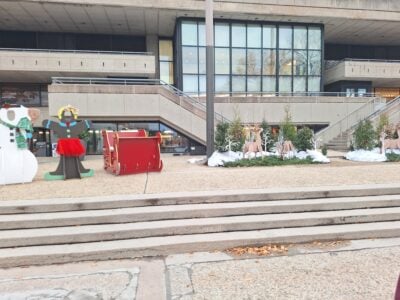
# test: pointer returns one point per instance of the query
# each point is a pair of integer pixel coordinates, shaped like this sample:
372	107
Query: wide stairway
37	232
337	136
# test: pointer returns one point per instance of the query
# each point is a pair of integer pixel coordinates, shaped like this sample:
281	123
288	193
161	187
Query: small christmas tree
236	134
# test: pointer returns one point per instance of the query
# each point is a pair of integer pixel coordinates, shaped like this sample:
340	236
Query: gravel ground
366	274
179	175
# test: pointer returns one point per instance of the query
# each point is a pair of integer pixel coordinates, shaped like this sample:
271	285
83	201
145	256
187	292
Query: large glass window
300	62
189	34
253	61
299	83
222	84
251	57
239	35
254	36
24	94
300	38
202	60
314	84
314	38
285	84
285	37
222	61
253	83
190	60
238	83
314	62
269	36
191	83
166	57
285	62
222	36
239	61
269	84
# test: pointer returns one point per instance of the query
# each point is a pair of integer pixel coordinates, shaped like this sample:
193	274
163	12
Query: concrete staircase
339	134
38	232
339	143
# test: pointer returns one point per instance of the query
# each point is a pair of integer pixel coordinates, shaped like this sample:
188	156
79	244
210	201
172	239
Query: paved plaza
366	269
179	176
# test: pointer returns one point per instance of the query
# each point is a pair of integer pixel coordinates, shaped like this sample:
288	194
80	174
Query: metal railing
371	108
329	64
293	94
76	51
351	119
137	81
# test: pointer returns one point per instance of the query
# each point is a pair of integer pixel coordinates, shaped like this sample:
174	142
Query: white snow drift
218	159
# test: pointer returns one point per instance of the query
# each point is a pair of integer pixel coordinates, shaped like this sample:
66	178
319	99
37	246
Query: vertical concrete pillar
152	46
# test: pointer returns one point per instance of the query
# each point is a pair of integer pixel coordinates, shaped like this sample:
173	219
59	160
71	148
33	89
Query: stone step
157	246
96	233
118	201
338	148
191	211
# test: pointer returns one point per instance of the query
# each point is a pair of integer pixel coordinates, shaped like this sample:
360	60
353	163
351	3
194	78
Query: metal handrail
76	51
386	107
343	125
137	81
329	64
294	94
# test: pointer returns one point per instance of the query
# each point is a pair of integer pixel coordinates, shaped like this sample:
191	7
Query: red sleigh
131	152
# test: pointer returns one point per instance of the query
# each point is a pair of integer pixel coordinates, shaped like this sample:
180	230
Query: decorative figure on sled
389	143
69	146
253	142
17	163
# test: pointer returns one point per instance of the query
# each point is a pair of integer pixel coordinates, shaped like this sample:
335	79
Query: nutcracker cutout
69	147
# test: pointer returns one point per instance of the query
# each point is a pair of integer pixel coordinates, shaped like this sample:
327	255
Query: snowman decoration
17	163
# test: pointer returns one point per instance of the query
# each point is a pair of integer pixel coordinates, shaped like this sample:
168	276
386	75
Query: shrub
382	124
221	137
393	157
268	161
364	136
324	150
303	140
236	134
287	128
266	136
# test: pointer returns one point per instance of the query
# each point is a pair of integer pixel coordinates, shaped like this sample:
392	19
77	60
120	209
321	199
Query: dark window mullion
292	81
277	59
262	59
198	59
307	77
245	76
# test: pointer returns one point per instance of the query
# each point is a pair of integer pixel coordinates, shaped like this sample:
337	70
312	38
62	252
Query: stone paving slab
365	274
118	284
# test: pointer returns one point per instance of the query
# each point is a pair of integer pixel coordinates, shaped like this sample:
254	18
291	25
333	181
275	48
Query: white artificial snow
196	160
318	157
220	158
366	155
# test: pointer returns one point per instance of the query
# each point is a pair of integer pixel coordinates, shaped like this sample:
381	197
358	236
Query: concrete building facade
141	64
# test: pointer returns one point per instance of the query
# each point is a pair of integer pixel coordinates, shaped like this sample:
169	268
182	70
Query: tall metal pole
210	75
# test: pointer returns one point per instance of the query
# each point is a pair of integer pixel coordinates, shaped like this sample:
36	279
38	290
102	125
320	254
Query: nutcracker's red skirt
70	147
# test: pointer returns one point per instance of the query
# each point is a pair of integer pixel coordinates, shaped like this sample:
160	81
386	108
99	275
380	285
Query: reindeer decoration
253	140
389	143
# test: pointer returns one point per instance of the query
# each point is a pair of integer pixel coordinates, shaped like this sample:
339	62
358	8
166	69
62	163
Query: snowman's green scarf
23	131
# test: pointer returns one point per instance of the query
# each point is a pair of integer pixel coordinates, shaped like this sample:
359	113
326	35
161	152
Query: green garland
24	125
